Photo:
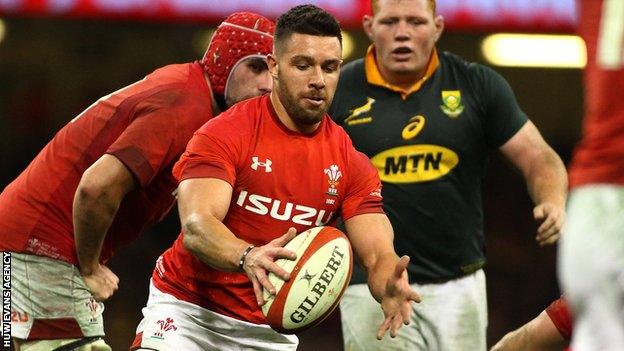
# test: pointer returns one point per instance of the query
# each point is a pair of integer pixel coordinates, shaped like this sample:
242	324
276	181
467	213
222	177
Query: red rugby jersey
146	125
559	313
599	156
280	179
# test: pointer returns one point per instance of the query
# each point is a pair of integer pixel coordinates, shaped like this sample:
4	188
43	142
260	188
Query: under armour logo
256	163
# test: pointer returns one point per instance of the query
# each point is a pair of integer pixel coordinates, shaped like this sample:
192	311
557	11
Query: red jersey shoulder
356	159
240	119
180	85
337	131
224	137
176	73
340	138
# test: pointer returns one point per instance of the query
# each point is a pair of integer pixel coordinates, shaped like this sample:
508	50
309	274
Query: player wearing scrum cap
106	176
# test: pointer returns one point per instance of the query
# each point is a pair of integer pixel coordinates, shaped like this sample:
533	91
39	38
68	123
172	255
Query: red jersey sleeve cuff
559	313
136	163
365	207
206	170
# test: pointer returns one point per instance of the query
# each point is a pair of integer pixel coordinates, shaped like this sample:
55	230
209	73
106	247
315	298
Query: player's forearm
379	270
212	242
512	341
93	213
547	180
371	237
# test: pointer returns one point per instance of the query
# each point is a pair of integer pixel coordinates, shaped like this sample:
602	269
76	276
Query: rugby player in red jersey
249	180
106	176
591	255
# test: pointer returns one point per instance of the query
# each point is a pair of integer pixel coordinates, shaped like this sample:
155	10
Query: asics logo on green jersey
413	127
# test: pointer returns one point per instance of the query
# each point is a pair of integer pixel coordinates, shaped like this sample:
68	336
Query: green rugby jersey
431	147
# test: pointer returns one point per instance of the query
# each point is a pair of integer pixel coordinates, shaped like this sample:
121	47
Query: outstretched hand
396	302
551	219
261	260
102	282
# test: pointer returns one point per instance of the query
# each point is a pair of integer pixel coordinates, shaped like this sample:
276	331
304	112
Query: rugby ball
318	278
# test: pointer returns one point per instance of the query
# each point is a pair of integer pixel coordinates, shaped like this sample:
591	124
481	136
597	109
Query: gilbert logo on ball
318	278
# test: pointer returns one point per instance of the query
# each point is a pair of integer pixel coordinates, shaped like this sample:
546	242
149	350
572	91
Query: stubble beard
292	105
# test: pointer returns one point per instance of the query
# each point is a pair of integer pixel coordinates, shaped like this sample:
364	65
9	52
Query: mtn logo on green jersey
414	163
451	103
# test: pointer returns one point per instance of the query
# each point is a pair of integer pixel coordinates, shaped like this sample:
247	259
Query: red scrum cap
241	35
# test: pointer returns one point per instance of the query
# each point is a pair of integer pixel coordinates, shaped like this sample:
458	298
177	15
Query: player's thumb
284	239
401	266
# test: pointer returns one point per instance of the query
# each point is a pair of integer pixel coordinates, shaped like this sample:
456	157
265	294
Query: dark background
52	69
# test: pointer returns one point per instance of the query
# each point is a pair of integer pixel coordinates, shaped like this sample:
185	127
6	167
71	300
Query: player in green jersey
428	120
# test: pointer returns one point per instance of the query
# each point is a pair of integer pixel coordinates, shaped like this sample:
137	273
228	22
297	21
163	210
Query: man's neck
402	80
216	109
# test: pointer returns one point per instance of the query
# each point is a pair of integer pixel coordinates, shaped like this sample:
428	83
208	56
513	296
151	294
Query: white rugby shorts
451	317
591	266
172	324
49	300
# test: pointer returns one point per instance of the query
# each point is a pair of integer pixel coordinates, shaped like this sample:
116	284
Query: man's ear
367	25
439	24
272	64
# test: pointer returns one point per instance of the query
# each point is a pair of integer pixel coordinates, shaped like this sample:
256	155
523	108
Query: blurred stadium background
58	56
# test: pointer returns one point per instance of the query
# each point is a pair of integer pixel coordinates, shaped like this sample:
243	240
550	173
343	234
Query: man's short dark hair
306	19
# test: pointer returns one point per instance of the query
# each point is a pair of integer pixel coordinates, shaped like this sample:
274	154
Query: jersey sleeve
503	116
212	152
149	143
364	188
559	313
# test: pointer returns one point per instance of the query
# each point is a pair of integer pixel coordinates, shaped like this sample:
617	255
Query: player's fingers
553	230
413	296
102	294
108	282
553	239
397	323
107	293
115	278
545	226
277	270
110	277
284	239
264	281
383	328
112	280
550	240
257	291
406	312
548	223
280	252
547	235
